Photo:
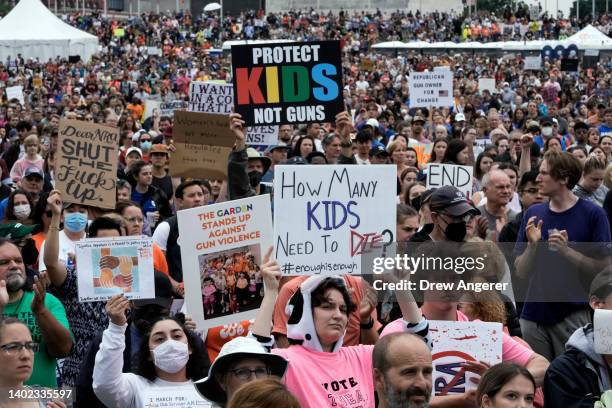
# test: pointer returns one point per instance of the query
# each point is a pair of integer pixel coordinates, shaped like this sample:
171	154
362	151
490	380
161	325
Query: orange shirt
218	336
39	239
159	260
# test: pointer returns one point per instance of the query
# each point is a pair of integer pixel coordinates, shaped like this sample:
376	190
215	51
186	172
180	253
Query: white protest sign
109	266
168	108
262	135
222	246
457	342
431	89
15	92
439	175
211	97
327	216
154	51
487	84
149	106
533	63
175	397
602	328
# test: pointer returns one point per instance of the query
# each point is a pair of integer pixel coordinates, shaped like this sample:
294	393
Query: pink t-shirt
319	380
512	350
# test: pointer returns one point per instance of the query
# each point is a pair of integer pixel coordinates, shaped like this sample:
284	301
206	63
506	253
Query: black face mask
29	252
456	231
255	178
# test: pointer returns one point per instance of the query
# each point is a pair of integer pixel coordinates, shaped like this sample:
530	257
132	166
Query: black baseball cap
449	200
601	286
378	151
546	121
163	293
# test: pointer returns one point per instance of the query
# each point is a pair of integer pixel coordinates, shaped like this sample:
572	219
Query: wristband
368	325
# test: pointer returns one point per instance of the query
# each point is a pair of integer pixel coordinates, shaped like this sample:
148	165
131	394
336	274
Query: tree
586	8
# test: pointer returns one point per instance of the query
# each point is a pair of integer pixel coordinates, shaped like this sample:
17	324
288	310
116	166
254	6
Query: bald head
402	370
497	187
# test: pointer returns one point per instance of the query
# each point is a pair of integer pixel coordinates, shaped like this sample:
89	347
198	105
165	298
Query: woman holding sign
316	327
170	356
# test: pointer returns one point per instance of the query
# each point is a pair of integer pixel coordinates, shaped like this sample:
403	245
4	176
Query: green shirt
43	373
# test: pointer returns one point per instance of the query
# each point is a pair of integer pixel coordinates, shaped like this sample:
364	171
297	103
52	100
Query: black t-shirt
164	184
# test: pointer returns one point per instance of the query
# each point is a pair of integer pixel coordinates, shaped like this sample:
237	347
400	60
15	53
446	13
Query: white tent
33	31
589	37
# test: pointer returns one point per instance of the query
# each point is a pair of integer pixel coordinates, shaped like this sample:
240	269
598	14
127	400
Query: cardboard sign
15	92
109	266
431	89
486	84
533	63
37	82
222	246
457	342
327	216
175	397
439	175
86	163
262	135
602	331
279	84
203	143
211	98
202	128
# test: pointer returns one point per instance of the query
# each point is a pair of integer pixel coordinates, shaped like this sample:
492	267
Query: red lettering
248	86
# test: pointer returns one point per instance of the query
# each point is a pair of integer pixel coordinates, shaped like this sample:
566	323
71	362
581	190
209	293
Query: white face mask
547	131
171	356
22	211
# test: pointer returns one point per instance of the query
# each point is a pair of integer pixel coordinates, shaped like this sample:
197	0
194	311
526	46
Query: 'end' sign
439	175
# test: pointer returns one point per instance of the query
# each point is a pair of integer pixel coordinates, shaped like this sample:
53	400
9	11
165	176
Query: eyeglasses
245	373
135	220
15	348
145	140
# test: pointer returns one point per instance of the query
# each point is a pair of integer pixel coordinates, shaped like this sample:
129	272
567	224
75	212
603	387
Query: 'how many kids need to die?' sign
326	217
287	83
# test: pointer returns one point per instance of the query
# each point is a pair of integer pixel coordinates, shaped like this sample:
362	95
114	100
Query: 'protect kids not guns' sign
279	84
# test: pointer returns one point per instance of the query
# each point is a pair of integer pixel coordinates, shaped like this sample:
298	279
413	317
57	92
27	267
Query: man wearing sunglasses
450	213
40	311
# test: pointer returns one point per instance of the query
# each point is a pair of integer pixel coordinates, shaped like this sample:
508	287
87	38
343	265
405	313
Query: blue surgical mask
75	222
146	145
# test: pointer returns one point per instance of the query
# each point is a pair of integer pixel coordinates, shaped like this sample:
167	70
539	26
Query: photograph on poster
231	281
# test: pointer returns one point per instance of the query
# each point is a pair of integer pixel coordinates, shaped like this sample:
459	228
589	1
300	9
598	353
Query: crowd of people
539	144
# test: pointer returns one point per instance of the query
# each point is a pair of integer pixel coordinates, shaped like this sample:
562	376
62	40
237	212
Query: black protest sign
287	83
86	163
